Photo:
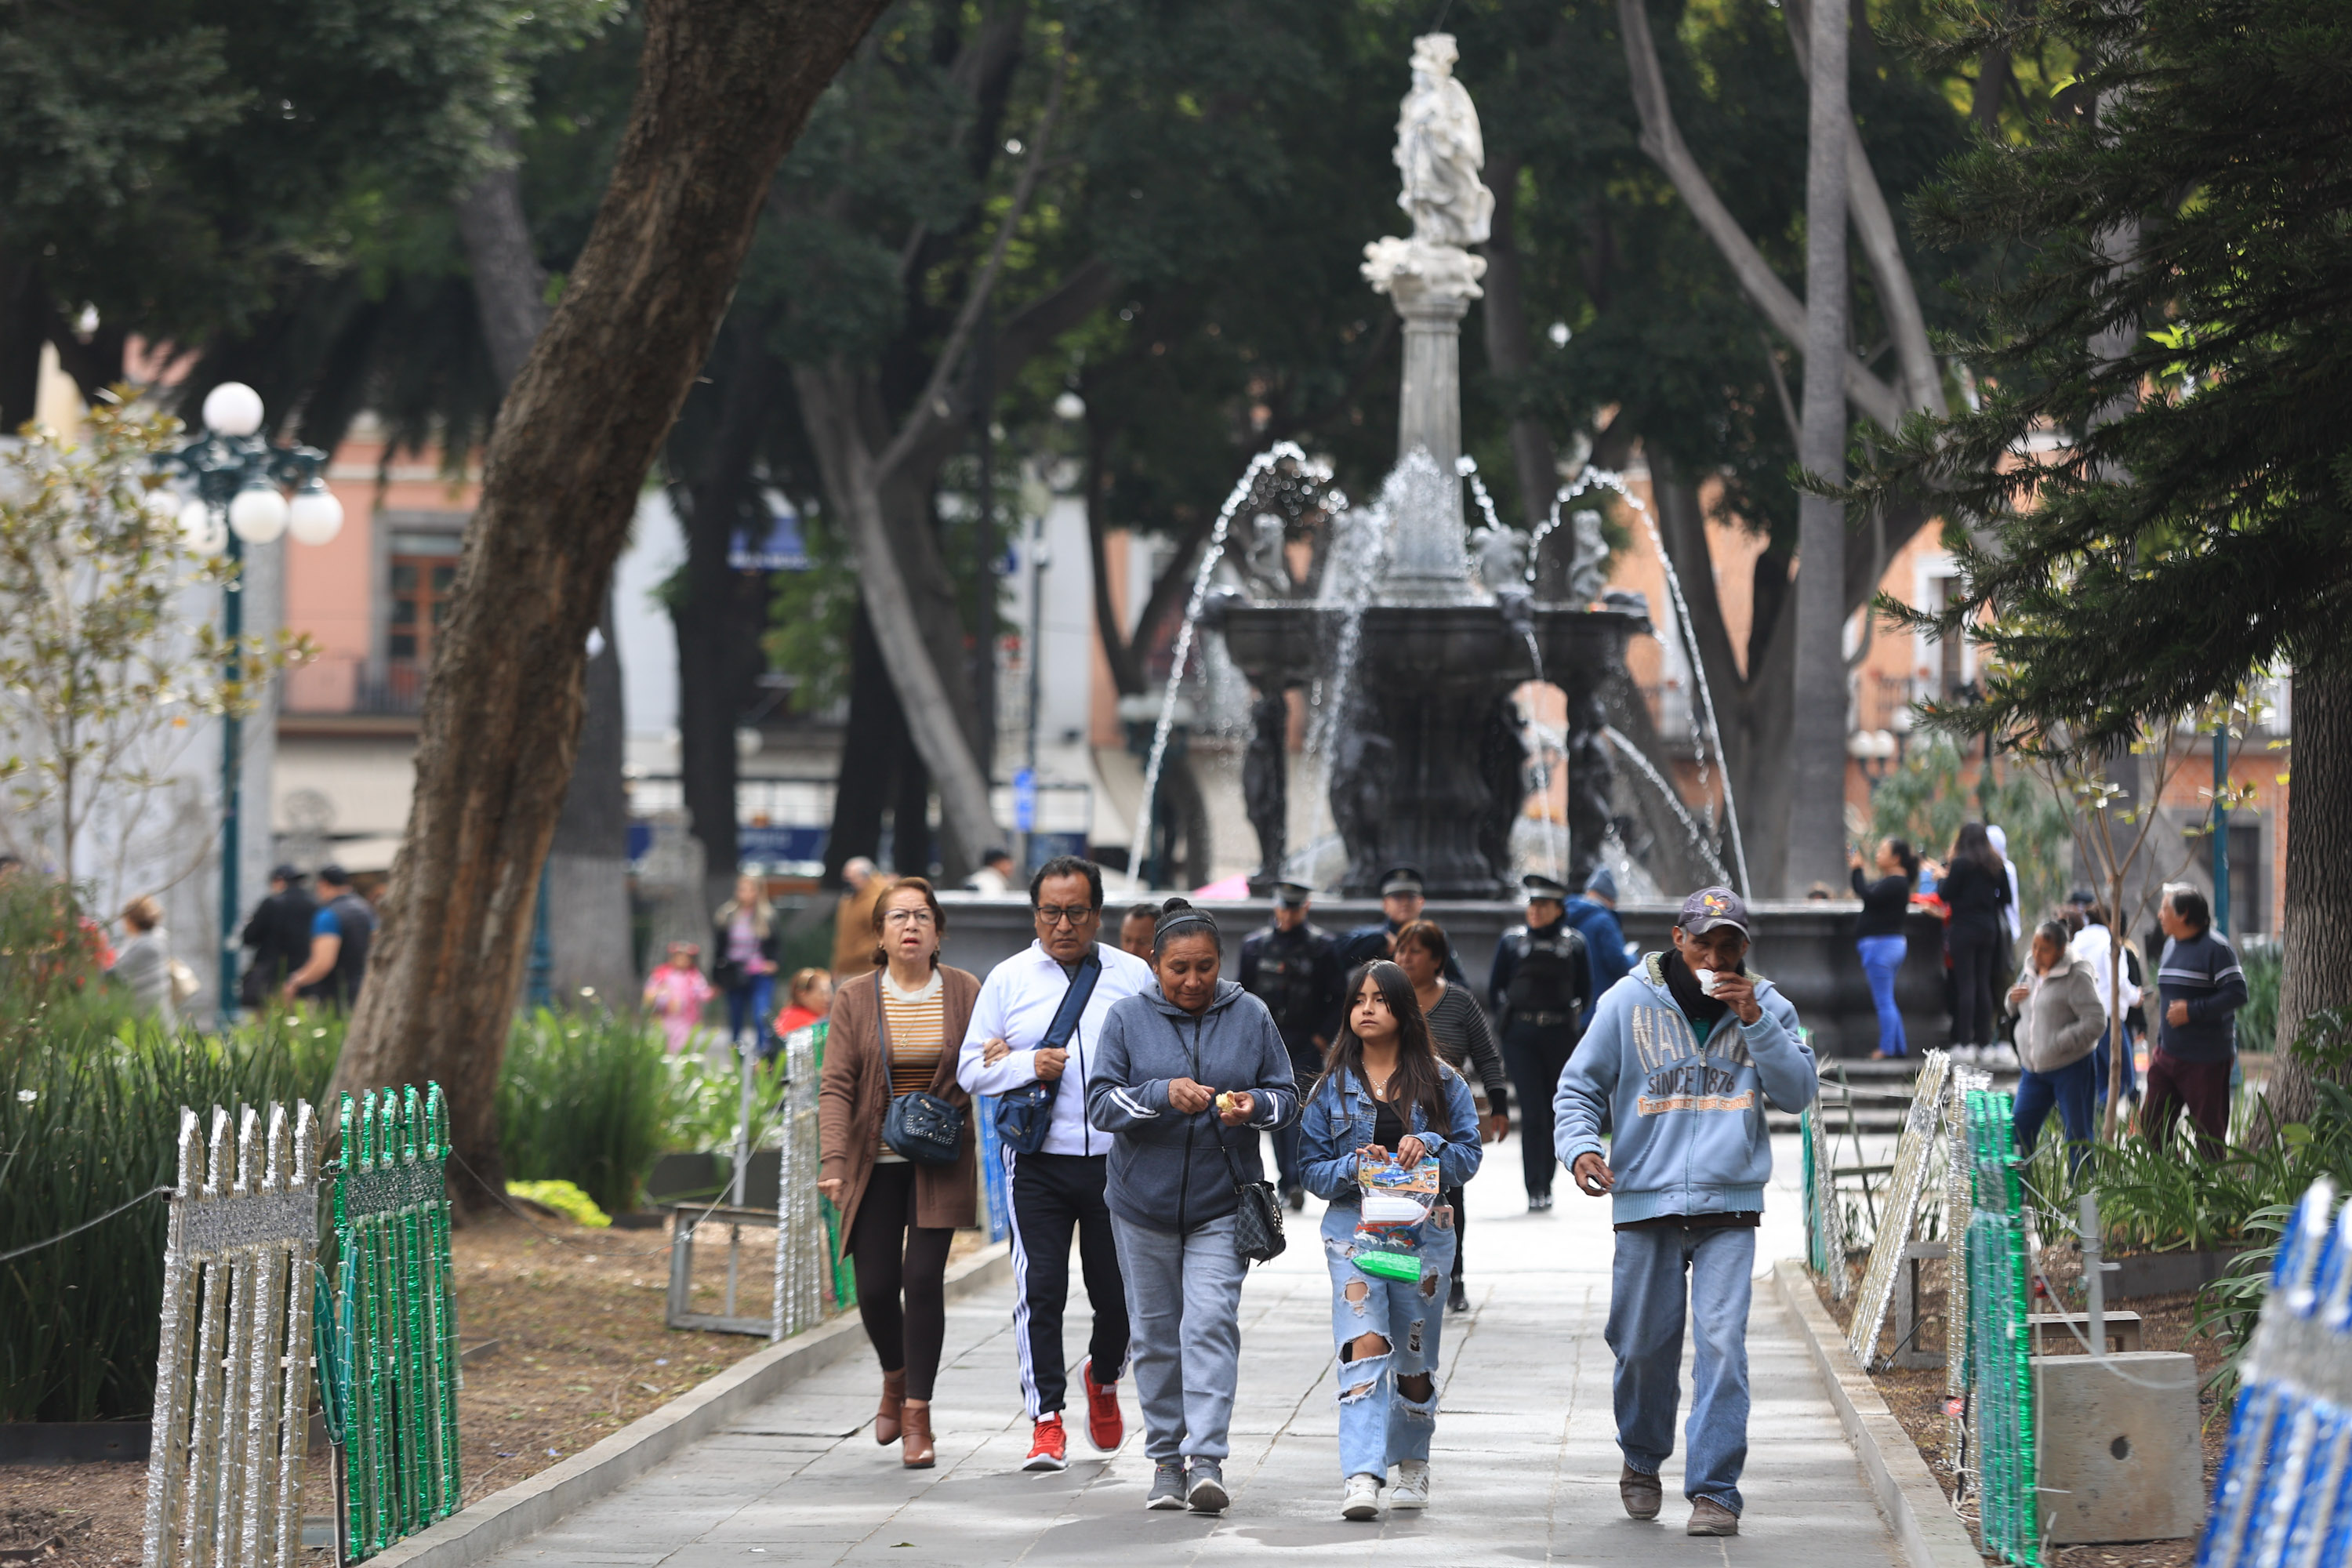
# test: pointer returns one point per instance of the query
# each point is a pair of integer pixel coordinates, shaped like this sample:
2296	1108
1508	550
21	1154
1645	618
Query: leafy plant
585	1098
565	1198
89	1114
2263	962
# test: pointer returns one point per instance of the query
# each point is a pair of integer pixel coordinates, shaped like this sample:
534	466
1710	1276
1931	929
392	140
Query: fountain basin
1424	766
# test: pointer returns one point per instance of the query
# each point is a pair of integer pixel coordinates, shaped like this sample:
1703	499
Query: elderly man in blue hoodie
1679	1061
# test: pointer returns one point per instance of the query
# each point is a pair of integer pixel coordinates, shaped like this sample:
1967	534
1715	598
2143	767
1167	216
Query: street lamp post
240	481
1875	752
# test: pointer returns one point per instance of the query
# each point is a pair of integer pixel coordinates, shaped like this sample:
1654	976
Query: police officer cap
1540	886
1290	895
1401	879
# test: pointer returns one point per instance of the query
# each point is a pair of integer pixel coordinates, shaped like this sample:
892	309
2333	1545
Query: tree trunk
870	744
724	87
588	928
2318	869
1816	831
1505	311
720	616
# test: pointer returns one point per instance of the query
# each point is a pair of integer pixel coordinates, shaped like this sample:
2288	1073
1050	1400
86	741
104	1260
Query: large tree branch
723	89
1662	142
933	405
1898	297
510	286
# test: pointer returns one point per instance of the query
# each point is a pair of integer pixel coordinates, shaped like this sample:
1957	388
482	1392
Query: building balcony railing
336	685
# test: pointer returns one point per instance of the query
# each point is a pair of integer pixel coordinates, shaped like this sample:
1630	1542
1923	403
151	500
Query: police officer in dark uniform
1540	987
1402	903
1294	968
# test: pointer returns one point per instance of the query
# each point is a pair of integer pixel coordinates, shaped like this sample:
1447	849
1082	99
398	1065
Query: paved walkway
1525	1467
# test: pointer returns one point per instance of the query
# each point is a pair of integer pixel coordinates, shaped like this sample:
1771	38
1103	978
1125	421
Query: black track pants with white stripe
1052	1195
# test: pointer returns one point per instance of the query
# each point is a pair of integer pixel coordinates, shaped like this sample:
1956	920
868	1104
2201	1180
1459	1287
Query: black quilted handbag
1257	1219
919	1128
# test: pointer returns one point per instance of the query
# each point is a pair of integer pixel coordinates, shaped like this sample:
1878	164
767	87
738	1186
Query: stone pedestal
1432	287
2117	1447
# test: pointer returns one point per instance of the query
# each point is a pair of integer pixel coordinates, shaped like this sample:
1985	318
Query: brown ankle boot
917	1452
887	1417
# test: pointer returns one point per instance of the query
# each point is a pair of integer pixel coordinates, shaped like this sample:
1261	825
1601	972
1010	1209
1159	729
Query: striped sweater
917	1025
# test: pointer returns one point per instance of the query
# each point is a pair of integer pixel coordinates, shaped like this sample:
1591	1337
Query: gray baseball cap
1711	907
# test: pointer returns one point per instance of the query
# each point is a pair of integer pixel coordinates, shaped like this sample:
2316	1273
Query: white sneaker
1411	1488
1362	1498
1963	1056
2001	1059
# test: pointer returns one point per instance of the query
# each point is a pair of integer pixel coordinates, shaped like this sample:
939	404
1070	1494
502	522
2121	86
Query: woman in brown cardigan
898	1217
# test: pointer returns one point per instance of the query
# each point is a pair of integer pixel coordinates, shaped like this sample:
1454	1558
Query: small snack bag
1396	1201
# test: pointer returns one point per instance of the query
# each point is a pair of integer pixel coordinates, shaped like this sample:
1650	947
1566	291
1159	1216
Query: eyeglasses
907	918
1072	914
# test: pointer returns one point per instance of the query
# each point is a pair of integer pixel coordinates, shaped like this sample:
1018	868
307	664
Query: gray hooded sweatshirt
1165	1171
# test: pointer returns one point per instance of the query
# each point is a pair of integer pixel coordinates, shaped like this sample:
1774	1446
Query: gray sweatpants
1183	1306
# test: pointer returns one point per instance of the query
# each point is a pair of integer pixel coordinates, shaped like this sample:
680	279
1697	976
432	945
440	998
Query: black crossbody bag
1025	1115
1257	1212
919	1128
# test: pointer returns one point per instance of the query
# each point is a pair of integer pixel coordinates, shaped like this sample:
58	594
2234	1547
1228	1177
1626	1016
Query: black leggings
1453	1196
901	1296
1972	968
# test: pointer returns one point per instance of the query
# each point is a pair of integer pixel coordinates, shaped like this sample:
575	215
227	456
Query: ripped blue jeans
1379	1427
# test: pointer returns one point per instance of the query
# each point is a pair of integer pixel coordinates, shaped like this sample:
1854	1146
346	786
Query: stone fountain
1413	656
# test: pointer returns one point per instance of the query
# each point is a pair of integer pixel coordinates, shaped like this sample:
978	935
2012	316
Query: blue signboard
1025	800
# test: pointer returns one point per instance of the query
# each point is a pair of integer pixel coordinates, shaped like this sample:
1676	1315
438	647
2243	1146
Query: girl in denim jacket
1386	1092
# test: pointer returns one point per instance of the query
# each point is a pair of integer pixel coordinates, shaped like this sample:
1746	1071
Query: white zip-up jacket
1017	1003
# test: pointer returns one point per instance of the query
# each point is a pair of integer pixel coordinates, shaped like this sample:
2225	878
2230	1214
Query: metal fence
233	1370
1999	1376
390	1365
2285	1495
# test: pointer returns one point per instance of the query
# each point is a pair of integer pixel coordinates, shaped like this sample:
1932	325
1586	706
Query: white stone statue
1440	151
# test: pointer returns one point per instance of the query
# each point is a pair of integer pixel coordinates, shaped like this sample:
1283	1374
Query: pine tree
2151	501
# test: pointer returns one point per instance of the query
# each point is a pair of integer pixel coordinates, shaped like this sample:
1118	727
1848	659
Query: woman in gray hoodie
1185	1077
2059	1022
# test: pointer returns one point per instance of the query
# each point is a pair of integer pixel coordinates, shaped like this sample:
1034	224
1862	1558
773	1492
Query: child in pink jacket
678	991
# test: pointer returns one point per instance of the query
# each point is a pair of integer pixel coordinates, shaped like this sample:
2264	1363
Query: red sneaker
1049	1449
1106	1429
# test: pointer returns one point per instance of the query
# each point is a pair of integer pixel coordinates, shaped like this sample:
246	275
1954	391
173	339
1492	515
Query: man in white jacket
1060	1188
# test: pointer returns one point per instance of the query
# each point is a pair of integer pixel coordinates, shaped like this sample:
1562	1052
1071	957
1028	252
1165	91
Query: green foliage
101	669
2264	963
1927	799
89	1114
2173	290
584	1098
565	1199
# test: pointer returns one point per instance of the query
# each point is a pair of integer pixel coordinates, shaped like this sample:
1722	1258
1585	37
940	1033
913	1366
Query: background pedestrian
1975	888
677	993
1293	966
744	941
142	965
1878	933
279	932
1539	986
2058	1021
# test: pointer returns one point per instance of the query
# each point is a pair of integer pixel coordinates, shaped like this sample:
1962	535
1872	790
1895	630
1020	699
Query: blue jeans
1881	957
1379	1427
2075	1089
747	1003
2099	1071
1645	1334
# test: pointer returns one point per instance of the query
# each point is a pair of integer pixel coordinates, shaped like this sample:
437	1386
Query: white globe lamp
232	408
201	528
316	515
258	513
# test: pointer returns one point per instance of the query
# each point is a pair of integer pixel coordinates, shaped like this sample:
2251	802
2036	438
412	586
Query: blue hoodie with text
1688	1115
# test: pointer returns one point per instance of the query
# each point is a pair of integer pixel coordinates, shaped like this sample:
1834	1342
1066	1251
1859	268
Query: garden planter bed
1916	1399
581	1352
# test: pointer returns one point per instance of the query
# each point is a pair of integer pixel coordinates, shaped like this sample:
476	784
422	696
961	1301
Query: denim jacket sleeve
1328	1143
1457	1148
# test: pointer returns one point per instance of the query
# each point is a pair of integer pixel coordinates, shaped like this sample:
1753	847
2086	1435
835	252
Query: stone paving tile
1525	1461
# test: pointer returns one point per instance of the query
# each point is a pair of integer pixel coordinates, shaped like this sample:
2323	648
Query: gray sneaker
1208	1490
1167	1486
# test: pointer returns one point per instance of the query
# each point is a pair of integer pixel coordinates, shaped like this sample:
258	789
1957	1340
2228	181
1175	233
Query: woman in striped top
898	1217
1458	1026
